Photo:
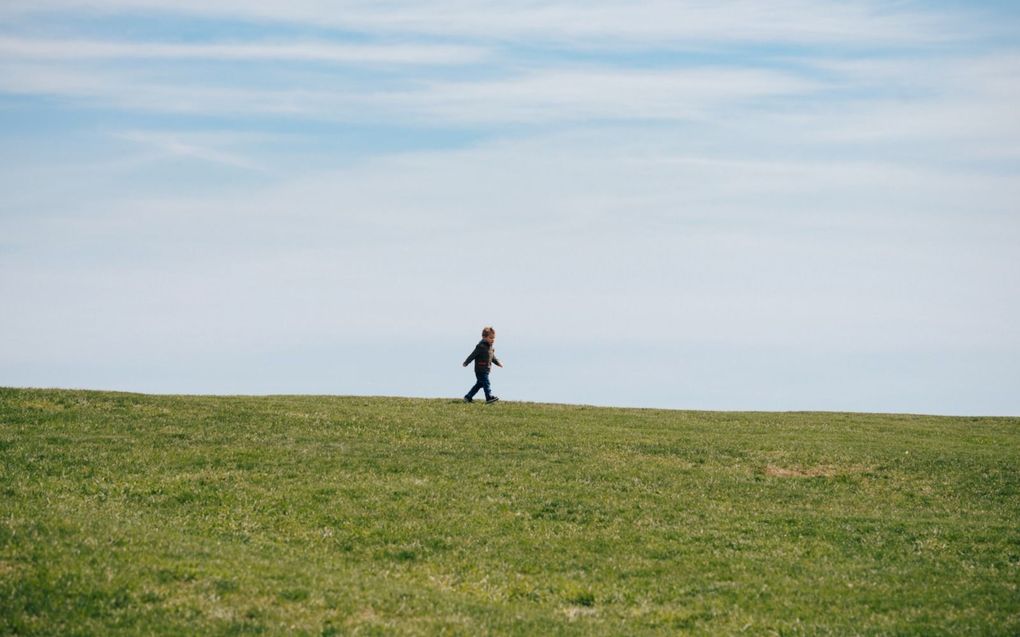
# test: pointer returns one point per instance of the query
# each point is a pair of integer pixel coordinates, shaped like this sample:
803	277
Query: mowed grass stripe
136	514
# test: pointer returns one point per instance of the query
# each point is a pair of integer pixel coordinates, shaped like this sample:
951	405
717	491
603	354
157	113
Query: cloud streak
541	96
599	23
350	54
176	146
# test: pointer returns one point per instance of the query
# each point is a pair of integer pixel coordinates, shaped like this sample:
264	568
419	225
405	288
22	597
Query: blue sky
731	205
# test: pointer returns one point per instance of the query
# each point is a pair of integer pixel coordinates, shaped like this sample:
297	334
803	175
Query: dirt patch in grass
576	612
826	471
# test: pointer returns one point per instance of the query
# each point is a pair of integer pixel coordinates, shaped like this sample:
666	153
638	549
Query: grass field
171	515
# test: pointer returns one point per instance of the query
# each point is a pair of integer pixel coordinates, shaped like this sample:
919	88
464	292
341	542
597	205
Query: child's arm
472	357
495	361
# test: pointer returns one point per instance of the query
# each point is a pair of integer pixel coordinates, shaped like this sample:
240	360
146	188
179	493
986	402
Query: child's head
488	334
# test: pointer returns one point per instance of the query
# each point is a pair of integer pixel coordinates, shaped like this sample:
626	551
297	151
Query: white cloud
966	101
540	96
570	94
178	145
400	54
132	90
602	22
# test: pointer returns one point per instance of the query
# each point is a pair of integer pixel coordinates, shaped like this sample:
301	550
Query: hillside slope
126	514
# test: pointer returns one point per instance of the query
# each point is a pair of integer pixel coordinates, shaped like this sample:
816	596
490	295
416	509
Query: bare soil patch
827	471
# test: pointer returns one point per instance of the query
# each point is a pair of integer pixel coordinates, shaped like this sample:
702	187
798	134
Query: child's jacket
483	356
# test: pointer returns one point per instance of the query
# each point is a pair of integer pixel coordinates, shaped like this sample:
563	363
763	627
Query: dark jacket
483	356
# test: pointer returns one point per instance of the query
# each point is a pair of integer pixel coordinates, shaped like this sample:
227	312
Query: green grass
124	514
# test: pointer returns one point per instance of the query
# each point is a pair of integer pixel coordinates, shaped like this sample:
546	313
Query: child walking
484	357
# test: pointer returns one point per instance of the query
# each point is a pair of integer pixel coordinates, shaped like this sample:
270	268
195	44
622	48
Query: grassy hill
168	515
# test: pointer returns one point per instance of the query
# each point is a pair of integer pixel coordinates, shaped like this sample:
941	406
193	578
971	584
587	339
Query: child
484	357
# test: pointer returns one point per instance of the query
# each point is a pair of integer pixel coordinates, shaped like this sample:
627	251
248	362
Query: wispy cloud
542	96
571	94
177	145
603	22
114	89
370	54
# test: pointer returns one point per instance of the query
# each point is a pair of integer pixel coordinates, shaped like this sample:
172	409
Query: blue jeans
482	376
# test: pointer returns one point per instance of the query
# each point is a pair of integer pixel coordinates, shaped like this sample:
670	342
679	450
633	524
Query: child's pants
482	376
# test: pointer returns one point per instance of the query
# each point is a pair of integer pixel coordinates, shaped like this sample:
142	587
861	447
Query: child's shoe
468	399
491	399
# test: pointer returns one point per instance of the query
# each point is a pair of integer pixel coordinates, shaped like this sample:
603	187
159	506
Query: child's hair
487	332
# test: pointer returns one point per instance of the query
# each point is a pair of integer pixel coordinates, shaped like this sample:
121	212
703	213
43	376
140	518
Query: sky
792	205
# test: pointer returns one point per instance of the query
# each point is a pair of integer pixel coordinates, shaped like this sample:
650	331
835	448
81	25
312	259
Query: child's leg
482	382
483	378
